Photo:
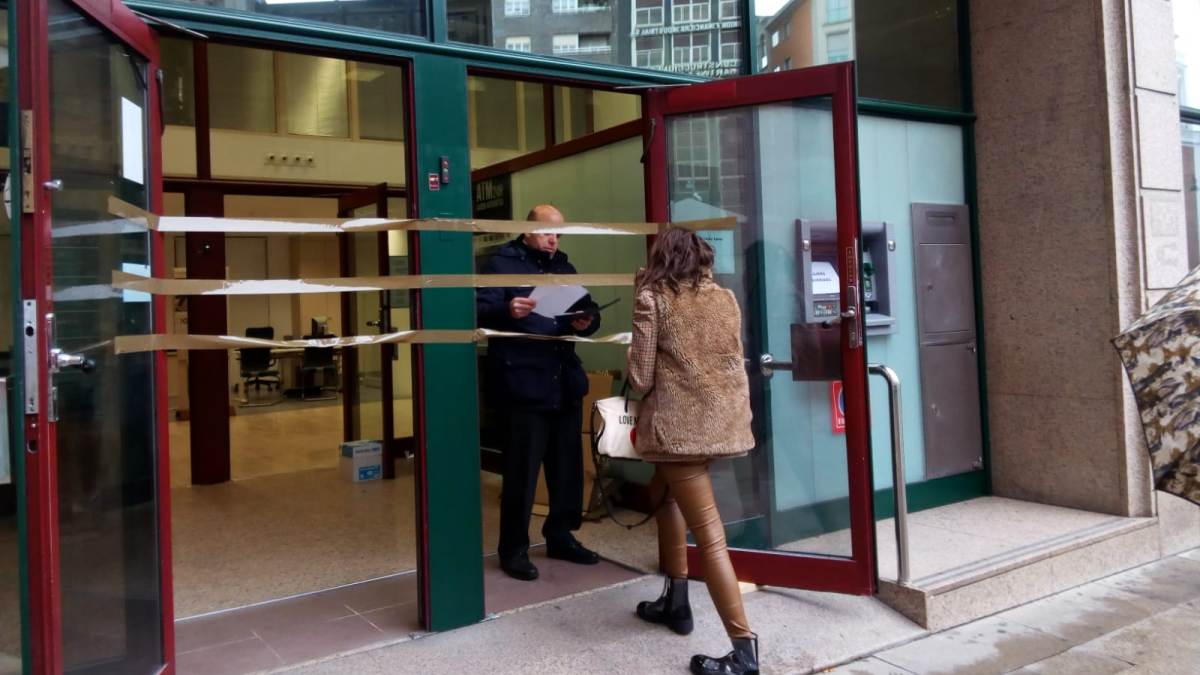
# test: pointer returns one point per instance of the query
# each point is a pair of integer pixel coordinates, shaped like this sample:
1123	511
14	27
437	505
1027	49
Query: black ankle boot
671	609
743	660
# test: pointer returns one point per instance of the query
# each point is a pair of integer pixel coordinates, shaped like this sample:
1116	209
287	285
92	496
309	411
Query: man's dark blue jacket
530	374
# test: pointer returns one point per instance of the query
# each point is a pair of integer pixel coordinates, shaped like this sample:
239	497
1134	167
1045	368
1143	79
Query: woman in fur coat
686	358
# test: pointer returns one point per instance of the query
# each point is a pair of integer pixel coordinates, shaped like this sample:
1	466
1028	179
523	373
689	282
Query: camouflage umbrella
1161	353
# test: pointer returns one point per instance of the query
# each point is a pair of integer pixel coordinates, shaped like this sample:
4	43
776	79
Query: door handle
767	365
375	324
850	313
60	360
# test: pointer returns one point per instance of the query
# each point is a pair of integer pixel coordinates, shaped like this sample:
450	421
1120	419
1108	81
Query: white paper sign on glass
133	163
721	242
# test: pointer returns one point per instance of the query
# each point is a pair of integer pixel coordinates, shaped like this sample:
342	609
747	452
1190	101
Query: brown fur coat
687	352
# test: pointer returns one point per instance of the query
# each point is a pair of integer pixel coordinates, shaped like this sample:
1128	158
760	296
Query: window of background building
787	63
774	38
648	13
595	43
837	11
1191	189
649	52
566	44
609	31
1187	51
837	47
518	44
686	11
690	48
407	17
690	152
731	45
516	7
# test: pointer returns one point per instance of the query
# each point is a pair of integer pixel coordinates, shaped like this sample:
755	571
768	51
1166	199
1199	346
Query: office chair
316	360
257	366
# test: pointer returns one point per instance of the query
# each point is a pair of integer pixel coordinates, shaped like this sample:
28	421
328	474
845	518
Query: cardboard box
600	385
361	461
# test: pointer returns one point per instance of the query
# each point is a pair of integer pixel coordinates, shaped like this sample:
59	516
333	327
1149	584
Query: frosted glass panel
315	91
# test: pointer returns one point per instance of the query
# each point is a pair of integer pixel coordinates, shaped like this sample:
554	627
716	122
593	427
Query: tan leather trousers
690	506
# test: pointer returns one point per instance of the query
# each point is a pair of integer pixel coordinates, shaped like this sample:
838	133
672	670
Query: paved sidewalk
1146	620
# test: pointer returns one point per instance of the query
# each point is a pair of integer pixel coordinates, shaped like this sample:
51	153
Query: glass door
778	153
99	570
377	400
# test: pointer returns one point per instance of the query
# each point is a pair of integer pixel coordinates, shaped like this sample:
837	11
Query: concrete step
983	571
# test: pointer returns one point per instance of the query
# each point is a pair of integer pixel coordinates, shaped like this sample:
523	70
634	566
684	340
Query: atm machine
817	336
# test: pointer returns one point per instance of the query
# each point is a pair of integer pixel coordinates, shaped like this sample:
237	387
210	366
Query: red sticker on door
435	182
837	406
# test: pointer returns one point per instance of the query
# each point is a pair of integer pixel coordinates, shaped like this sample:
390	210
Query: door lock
60	361
378	323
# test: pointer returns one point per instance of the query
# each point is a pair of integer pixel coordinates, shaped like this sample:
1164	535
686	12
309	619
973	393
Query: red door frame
37	284
857	574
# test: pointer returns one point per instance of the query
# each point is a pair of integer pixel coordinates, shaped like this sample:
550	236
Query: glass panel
406	17
506	118
1191	189
1187	50
604	31
380	101
772	168
400	317
107	455
908	51
246	76
10	578
315	94
178	90
366	309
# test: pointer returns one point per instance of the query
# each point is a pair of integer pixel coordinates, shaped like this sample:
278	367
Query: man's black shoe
519	567
571	551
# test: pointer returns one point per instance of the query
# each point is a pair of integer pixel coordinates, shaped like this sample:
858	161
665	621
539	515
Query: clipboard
587	312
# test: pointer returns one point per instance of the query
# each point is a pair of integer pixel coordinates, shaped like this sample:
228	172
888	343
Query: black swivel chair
257	366
316	360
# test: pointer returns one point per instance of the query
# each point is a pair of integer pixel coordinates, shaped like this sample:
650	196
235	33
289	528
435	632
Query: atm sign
837	406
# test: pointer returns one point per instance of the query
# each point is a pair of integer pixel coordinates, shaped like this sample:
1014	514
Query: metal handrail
899	488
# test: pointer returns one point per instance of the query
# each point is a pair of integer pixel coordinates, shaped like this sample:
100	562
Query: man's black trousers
537	438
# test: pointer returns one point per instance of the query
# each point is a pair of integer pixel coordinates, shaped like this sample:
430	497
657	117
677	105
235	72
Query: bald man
538	386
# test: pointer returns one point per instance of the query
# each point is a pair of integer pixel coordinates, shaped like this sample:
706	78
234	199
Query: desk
288	361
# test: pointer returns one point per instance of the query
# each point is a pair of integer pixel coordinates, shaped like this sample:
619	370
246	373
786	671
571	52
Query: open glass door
778	152
99	568
377	392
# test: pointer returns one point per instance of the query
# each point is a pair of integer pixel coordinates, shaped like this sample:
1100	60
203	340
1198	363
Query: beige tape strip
126	210
129	344
158	286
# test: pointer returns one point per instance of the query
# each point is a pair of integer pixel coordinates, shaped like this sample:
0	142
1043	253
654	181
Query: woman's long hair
678	256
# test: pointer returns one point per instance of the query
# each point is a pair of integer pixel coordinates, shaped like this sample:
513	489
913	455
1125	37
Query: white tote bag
616	434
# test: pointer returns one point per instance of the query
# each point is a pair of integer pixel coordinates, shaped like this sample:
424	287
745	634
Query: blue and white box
361	461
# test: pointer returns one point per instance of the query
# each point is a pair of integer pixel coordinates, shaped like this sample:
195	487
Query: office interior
310	135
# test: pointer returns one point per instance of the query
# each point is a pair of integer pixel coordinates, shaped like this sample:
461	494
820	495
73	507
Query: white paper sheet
555	300
133	165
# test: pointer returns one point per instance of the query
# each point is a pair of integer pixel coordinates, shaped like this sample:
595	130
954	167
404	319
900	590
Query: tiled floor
373	613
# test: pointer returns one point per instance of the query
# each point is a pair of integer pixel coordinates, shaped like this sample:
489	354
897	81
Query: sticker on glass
133	165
